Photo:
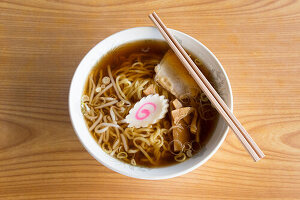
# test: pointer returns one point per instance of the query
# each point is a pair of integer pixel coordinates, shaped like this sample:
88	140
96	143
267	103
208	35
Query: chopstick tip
152	14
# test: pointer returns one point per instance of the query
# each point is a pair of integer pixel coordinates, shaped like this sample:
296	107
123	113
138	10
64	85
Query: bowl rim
175	174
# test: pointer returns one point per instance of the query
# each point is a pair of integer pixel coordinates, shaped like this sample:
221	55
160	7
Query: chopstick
209	91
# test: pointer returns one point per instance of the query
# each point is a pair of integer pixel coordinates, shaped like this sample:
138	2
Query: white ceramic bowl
146	33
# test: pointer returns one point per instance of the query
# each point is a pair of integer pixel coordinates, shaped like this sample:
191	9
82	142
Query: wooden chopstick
210	92
211	89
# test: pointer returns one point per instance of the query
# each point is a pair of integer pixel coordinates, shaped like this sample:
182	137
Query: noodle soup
124	77
116	83
80	109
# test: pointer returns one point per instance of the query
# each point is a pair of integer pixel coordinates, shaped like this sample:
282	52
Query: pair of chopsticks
209	91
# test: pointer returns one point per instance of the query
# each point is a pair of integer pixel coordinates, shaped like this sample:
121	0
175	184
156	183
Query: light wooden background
43	41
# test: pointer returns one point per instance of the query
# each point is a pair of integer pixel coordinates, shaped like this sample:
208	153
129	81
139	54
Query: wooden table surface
42	43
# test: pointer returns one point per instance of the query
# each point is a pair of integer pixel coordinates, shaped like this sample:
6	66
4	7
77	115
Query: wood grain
41	44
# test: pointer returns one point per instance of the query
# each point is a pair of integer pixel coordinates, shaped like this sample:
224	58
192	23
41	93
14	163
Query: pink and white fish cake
148	110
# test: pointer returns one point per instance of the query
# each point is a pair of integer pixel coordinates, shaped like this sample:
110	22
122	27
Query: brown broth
114	59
